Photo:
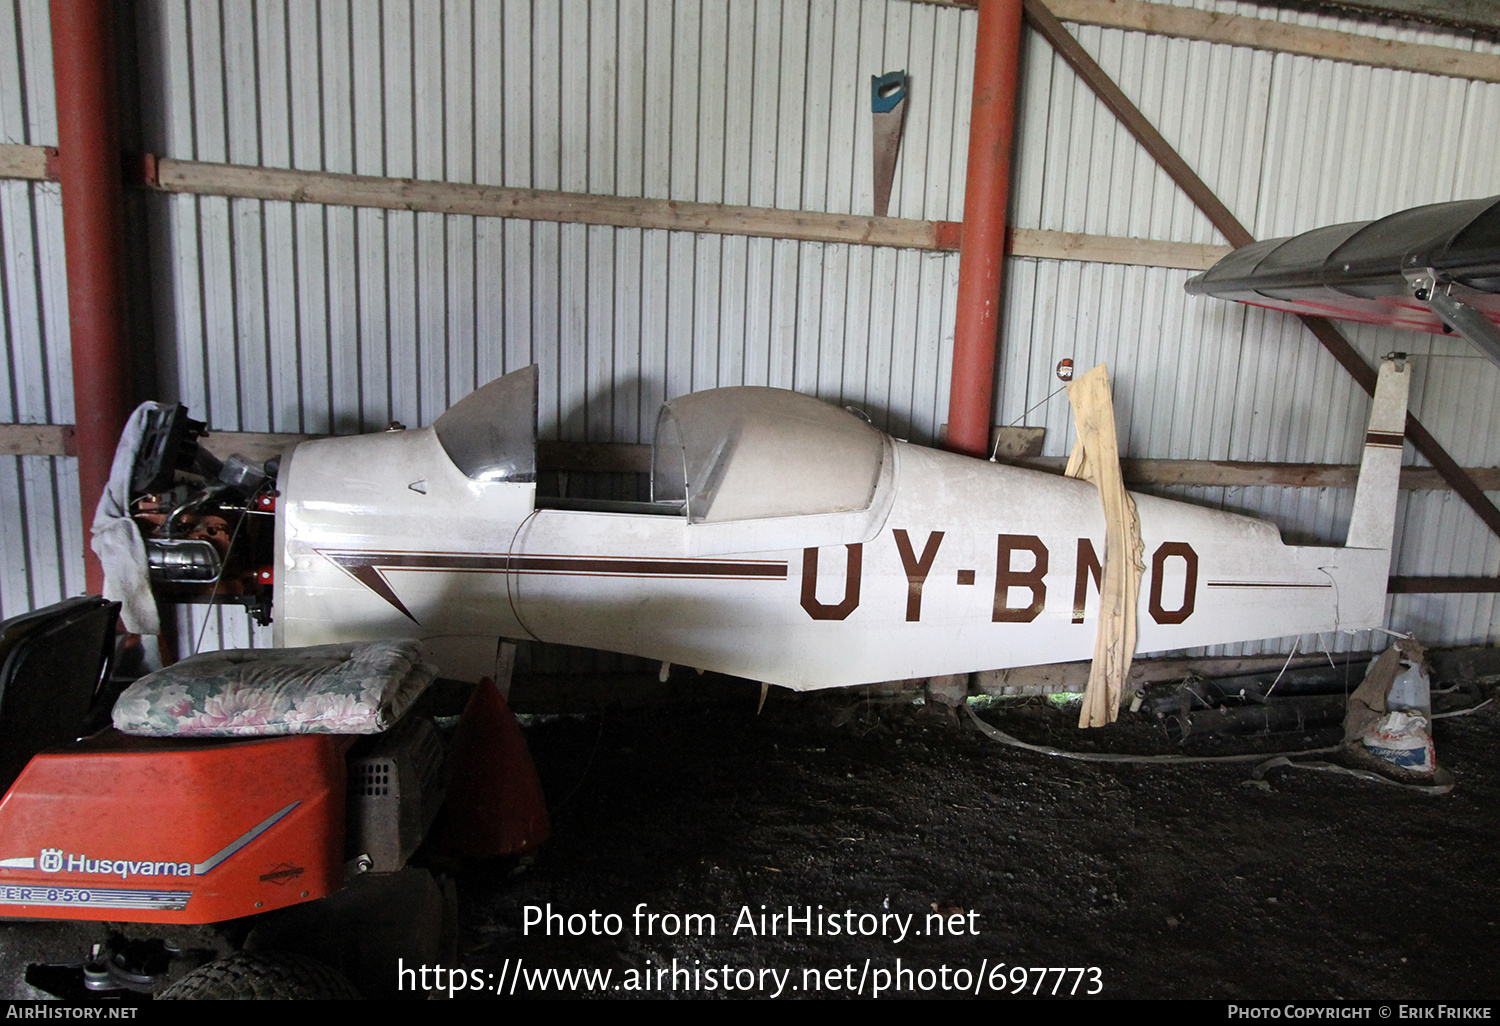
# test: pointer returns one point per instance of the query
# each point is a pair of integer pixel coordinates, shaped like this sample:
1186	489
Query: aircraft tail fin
1373	525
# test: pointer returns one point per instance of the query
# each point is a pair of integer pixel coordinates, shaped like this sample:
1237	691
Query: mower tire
248	976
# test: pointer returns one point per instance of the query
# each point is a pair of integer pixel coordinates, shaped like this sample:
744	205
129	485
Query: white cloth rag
117	540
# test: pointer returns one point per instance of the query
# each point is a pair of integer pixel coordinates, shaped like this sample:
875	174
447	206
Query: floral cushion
326	689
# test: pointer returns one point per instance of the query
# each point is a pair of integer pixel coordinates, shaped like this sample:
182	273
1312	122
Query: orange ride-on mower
261	866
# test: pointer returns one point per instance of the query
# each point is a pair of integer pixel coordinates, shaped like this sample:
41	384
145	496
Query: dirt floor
838	846
1156	881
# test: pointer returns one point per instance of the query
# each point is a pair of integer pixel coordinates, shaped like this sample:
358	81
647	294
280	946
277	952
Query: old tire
248	976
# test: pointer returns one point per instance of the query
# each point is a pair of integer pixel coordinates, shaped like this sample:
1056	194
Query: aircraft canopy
749	453
490	434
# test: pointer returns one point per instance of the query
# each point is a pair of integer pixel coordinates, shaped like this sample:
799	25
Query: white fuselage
957	565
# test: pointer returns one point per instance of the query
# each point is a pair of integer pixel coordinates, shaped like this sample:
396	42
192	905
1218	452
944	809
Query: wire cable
228	551
994	734
995	449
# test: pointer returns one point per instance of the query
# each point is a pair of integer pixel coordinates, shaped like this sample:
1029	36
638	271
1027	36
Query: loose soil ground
1172	881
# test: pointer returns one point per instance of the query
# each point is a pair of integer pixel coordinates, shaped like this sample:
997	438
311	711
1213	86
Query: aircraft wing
1433	268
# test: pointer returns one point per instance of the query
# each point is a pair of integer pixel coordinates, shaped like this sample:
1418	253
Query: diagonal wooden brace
1110	94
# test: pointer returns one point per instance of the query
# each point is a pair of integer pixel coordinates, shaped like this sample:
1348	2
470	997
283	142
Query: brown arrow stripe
368	568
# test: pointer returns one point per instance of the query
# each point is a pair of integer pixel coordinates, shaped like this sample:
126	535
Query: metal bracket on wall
1427	286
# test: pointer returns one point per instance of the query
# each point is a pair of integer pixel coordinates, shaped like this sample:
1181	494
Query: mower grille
370	779
395	790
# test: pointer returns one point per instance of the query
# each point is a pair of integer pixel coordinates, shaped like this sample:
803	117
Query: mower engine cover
169	830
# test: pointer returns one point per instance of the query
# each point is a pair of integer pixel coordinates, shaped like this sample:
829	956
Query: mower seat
349	688
51	663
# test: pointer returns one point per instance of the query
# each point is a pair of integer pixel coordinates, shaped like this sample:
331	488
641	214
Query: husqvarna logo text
54	860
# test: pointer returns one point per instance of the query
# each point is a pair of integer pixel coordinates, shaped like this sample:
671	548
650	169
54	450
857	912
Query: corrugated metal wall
298	318
308	319
1289	143
40	540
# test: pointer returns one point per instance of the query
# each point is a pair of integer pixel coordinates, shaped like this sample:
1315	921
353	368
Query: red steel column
83	62
982	254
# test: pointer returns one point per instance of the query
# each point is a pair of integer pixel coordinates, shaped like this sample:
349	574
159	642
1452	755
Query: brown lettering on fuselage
1088	564
1185	552
1007	578
822	610
916	569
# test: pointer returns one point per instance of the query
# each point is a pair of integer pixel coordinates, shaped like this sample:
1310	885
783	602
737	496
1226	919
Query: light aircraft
788	541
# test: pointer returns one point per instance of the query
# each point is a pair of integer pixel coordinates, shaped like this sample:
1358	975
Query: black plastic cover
169	443
1356	270
51	663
